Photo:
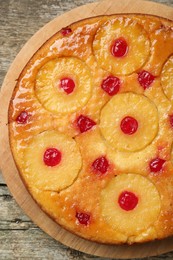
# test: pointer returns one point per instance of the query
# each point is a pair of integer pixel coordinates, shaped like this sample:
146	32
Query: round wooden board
8	167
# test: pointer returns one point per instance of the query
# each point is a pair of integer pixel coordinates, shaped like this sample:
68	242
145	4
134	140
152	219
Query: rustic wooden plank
26	240
39	247
19	237
17	246
10	212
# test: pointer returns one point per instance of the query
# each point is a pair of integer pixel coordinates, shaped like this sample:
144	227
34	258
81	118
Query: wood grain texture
19	237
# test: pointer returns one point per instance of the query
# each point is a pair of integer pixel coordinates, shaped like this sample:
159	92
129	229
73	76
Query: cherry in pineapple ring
111	85
52	157
100	165
119	48
56	73
128	200
68	85
122	124
129	125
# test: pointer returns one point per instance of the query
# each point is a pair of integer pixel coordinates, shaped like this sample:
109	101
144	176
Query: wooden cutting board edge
8	167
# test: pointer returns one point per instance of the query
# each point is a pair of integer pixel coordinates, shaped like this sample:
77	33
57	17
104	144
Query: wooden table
19	237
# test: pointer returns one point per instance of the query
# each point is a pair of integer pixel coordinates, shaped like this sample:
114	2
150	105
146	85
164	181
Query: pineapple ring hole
52	157
67	85
129	125
128	200
119	48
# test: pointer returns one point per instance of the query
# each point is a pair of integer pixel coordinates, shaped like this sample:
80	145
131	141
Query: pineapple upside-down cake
91	128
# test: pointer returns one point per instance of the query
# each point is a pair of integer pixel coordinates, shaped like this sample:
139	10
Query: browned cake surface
91	128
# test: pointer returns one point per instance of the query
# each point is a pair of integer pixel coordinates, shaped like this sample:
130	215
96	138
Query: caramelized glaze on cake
91	128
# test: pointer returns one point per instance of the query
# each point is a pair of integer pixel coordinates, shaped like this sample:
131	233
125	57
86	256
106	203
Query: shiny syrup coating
73	206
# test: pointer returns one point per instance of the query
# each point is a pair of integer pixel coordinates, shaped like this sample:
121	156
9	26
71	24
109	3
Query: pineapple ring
44	177
133	105
142	216
136	38
167	79
51	96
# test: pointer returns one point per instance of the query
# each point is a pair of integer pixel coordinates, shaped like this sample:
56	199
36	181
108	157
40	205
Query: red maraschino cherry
156	164
68	85
111	85
22	117
83	218
145	79
66	31
128	200
119	48
85	123
52	157
100	165
129	125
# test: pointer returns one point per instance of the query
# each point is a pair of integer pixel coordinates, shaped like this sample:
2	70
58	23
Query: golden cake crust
41	113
